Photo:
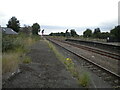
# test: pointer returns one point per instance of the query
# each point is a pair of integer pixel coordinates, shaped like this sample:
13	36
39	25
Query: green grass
16	47
9	62
26	60
83	78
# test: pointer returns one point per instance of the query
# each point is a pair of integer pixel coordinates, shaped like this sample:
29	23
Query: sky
59	15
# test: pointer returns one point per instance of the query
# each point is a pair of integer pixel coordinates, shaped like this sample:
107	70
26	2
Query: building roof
7	30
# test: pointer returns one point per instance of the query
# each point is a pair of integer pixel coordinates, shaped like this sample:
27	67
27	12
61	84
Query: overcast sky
59	15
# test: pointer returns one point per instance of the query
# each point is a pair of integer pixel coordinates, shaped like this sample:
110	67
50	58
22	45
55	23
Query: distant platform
114	43
109	43
109	46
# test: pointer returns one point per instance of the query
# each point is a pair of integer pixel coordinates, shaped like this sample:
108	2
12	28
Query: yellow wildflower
67	59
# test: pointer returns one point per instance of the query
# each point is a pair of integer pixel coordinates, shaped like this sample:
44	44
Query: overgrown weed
83	78
13	47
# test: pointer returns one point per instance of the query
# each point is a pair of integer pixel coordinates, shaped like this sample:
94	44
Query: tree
97	30
104	35
115	33
26	29
73	33
87	33
57	34
62	34
35	28
96	33
51	34
14	24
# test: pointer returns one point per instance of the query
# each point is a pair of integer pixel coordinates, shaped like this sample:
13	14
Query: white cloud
78	13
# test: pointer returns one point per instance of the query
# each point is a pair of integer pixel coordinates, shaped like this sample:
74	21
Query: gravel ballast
108	63
95	80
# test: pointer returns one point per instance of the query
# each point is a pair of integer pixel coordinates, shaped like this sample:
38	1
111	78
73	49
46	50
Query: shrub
13	47
84	79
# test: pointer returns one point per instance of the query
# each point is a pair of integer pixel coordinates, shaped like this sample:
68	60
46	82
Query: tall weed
13	47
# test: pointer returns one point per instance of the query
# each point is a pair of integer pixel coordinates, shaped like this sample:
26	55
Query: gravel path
45	71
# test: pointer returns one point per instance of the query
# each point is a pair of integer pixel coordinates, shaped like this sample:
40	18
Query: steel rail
84	58
101	52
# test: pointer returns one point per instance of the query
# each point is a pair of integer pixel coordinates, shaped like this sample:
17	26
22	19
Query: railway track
98	51
107	75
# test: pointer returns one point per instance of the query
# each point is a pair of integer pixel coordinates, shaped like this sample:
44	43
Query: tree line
113	35
14	24
72	33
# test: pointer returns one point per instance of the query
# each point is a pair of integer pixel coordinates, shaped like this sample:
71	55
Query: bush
84	79
14	47
7	43
12	42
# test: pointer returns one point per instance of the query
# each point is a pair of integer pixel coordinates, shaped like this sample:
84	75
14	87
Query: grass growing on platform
14	50
9	62
83	78
58	55
26	60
